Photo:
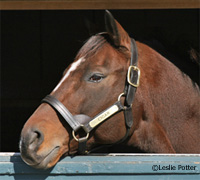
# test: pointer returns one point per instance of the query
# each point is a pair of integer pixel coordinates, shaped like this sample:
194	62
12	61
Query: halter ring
83	138
119	97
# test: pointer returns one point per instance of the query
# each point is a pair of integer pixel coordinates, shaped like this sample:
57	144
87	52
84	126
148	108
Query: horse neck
166	95
163	83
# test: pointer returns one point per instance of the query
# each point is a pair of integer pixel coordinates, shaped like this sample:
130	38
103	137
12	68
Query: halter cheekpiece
132	82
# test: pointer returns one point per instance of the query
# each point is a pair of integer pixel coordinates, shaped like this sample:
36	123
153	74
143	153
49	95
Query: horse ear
117	34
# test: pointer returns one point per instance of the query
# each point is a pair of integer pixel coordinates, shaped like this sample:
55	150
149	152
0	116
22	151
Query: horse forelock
96	42
92	45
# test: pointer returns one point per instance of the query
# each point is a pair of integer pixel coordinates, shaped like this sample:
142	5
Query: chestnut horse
161	116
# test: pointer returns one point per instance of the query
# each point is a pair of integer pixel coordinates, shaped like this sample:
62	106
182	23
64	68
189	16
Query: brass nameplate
109	112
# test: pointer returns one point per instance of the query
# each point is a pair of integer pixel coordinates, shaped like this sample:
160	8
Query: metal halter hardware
80	139
135	68
132	83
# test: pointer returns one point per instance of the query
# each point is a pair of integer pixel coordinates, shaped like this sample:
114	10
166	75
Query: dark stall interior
37	46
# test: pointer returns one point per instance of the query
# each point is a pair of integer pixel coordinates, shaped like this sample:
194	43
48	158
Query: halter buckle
136	69
82	138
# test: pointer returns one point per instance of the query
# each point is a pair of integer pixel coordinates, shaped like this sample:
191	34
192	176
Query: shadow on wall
23	171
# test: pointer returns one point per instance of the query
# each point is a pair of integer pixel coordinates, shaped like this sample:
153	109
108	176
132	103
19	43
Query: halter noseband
132	82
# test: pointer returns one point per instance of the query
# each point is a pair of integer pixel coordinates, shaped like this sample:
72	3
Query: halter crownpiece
132	82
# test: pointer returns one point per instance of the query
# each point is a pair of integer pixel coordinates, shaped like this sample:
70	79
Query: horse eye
96	78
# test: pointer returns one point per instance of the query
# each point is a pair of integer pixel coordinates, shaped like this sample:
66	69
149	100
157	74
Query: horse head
91	84
95	102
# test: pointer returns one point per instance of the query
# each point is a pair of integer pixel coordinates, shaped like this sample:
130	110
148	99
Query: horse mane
189	80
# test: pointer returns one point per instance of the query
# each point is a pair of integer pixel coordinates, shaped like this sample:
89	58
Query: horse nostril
36	136
39	137
32	139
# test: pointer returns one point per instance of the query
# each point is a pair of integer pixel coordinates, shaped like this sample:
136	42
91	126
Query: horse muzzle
30	145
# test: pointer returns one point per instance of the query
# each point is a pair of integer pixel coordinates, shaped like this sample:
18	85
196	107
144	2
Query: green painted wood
112	166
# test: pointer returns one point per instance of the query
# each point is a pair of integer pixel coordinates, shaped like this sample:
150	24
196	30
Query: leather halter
132	82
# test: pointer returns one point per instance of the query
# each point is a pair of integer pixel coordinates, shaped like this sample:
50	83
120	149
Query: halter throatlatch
132	82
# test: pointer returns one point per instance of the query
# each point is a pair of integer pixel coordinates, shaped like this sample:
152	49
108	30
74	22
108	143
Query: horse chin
45	162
